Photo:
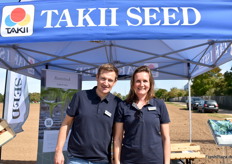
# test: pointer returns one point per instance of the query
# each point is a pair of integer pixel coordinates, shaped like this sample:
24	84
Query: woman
141	134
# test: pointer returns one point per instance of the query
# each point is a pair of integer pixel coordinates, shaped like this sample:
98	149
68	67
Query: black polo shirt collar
95	95
150	102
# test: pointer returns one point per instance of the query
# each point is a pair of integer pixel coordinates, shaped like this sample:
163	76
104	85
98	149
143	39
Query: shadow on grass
183	109
204	141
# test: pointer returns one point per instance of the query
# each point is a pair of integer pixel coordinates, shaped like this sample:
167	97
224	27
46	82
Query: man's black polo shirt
142	141
91	133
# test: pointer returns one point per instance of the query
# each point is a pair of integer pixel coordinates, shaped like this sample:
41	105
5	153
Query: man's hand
59	157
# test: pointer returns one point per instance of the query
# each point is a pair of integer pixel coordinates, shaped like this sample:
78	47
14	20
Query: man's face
105	82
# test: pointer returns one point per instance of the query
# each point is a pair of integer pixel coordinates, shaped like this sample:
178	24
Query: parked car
208	106
194	102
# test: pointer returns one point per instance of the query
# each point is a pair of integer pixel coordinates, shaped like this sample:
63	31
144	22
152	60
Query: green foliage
212	83
51	94
208	84
162	94
34	97
228	82
174	92
119	95
1	98
56	96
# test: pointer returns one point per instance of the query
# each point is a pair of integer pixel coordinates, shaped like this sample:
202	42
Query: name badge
152	108
108	113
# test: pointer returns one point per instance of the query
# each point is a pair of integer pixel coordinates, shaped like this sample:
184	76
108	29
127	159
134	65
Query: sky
122	86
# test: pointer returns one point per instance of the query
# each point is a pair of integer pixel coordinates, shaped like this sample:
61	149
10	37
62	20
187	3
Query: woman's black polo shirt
91	133
142	142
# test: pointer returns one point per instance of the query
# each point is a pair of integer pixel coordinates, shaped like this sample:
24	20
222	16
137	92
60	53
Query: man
90	115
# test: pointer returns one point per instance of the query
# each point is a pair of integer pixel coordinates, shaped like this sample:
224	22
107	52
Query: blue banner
114	20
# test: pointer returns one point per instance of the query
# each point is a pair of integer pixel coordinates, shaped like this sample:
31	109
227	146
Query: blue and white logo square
17	20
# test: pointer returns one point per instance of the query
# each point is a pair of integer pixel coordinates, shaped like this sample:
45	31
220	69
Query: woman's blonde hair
132	97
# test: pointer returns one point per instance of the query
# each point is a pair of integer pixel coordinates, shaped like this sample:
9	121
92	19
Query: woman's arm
118	135
166	142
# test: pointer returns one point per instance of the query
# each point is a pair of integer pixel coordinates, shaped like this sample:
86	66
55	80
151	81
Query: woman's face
141	84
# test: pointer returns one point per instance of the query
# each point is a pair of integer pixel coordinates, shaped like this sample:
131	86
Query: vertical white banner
17	102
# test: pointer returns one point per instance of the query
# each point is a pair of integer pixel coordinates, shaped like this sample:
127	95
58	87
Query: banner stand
57	90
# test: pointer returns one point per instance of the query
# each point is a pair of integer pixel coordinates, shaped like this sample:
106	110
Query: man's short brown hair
108	67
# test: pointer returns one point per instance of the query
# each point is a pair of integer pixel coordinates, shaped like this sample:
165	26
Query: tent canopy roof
75	36
169	59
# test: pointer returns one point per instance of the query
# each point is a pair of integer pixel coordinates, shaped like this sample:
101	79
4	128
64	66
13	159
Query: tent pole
190	111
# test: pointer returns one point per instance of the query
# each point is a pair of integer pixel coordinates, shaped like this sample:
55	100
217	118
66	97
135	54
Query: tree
162	94
119	95
208	83
173	92
34	97
1	97
228	82
182	93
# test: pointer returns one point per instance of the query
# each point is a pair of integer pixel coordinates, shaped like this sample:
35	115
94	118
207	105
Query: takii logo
17	20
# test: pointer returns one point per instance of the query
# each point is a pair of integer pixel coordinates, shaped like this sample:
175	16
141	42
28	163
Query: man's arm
63	133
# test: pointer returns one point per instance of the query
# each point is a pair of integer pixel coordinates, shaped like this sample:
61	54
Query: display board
57	89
